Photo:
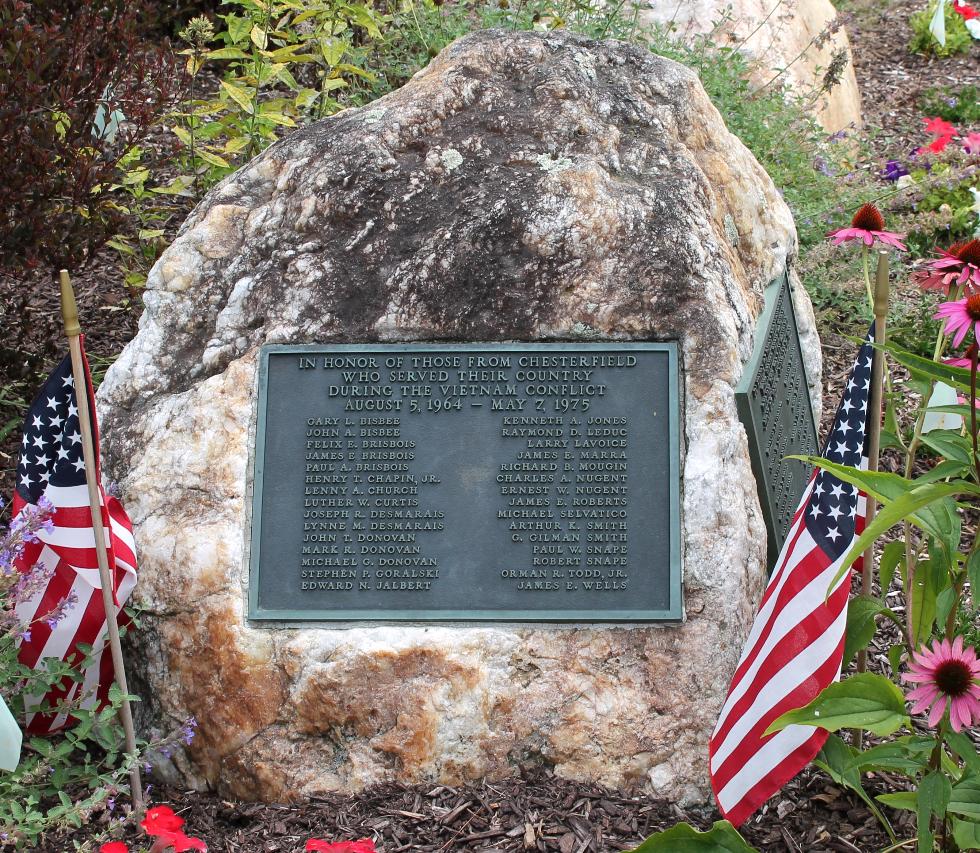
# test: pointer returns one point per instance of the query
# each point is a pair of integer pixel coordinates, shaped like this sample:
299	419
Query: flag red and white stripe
796	644
51	466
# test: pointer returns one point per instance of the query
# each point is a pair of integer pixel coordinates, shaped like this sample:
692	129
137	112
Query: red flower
965	11
937	145
114	847
178	841
937	126
160	820
365	845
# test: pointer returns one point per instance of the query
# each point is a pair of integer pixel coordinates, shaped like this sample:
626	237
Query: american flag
796	644
51	466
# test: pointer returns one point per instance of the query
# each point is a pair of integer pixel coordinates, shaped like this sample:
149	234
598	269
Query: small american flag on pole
51	466
796	644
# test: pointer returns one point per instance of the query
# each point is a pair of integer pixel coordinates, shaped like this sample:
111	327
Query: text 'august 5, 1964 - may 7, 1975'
467	482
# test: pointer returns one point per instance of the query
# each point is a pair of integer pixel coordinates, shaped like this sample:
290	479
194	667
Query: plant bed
533	811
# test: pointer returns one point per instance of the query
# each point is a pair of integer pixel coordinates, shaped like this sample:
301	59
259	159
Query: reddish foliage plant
69	71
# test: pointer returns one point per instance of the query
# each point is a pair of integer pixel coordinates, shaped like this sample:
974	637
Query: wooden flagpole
69	314
880	310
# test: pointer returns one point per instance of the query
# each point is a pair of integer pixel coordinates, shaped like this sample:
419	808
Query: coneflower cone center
953	677
868	218
969	252
973	307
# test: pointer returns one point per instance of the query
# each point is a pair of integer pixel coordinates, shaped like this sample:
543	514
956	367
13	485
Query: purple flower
188	730
893	171
821	166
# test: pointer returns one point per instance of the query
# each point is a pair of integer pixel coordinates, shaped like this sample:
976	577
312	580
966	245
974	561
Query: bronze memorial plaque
418	482
774	406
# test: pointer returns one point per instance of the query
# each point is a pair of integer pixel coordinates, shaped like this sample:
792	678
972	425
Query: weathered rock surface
777	35
522	187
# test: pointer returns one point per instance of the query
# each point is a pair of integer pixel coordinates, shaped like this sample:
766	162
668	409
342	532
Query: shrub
77	90
958	105
958	38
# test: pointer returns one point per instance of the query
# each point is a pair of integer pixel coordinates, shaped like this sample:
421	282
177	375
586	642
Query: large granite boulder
798	41
522	187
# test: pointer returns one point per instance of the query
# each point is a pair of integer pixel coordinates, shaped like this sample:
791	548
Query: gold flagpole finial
69	308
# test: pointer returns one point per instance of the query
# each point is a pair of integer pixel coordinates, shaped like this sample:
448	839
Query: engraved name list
466	482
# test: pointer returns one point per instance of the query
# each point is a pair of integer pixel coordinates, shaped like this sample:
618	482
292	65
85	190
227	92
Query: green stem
258	65
191	125
867	278
610	18
974	352
910	453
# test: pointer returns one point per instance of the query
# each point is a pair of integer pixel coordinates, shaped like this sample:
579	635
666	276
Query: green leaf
238	28
949	444
903	755
891	514
236	145
925	589
973	573
178	186
965	797
944	604
926	368
932	799
357	72
183	134
291	53
892	555
278	118
946	470
212	159
239	95
895	657
964	748
866	701
861	625
227	53
259	37
966	834
721	838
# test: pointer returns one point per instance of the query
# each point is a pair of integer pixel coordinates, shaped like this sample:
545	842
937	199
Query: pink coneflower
958	265
867	226
961	316
948	676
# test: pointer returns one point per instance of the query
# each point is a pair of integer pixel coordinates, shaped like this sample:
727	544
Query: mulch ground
534	810
892	80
